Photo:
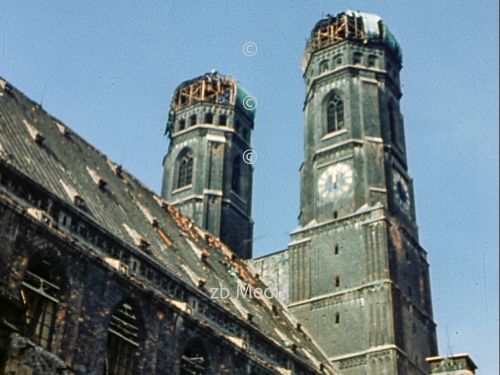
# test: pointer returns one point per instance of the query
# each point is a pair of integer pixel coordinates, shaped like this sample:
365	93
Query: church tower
359	279
354	273
205	173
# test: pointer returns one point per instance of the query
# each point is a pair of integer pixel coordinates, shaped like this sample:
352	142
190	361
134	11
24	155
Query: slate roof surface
45	150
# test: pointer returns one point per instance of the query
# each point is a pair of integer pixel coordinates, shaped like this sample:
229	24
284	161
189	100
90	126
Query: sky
108	69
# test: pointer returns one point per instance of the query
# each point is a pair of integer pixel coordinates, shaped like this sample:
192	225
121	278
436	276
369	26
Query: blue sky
108	68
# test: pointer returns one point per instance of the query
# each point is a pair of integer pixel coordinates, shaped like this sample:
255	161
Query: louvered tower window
185	170
335	114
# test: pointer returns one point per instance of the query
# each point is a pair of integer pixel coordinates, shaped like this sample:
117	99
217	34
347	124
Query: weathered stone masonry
123	278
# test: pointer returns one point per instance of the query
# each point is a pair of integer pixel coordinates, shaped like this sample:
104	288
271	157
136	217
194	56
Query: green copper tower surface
205	176
354	272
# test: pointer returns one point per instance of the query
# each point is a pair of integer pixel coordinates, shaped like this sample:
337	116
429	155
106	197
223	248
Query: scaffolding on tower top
350	25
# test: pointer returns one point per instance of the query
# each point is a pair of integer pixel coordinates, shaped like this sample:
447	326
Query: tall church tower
205	174
354	271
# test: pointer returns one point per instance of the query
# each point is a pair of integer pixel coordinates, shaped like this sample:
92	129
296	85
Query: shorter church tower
205	174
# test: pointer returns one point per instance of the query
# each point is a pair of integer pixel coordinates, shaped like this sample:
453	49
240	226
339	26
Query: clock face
335	181
401	191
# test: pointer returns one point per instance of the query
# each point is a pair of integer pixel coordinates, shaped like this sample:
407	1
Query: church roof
44	151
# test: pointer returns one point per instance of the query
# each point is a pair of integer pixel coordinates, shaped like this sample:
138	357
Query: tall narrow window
337	281
356	58
122	342
192	120
194	360
392	124
40	293
334	114
236	178
182	124
323	66
222	120
372	61
184	169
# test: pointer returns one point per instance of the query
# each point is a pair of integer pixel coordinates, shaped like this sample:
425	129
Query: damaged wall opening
194	360
122	342
40	294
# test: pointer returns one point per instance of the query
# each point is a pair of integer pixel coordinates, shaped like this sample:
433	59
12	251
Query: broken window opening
335	114
194	360
192	120
122	342
40	294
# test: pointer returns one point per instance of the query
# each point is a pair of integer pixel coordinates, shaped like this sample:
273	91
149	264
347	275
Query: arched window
236	178
372	61
182	124
184	169
122	342
337	60
357	57
192	120
40	292
334	114
194	360
323	66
